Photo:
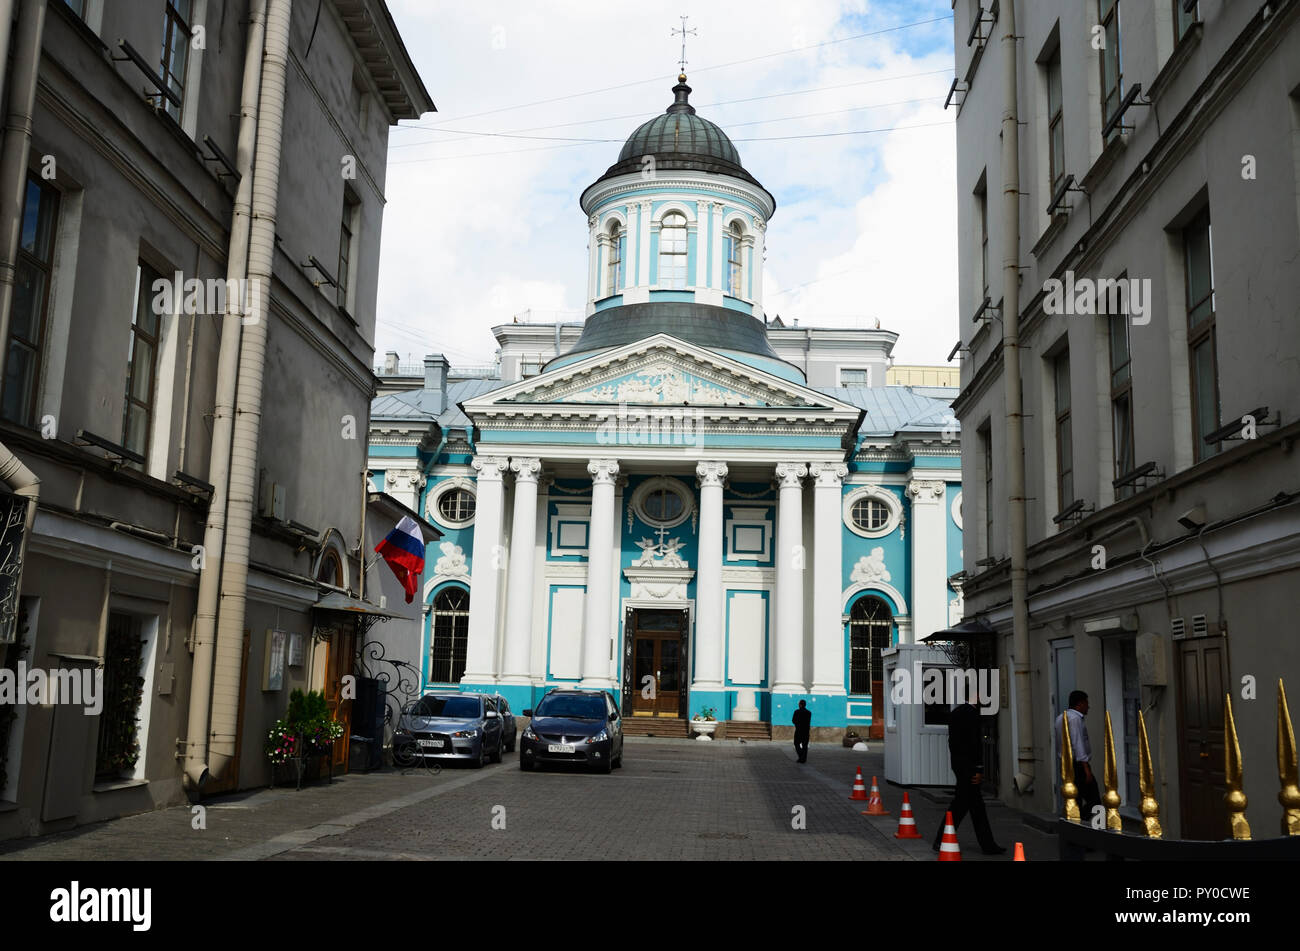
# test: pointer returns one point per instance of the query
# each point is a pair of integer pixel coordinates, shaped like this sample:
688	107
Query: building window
1055	121
985	436
176	51
672	251
450	635
33	269
871	511
1183	19
870	515
735	268
1112	66
1121	399
331	570
982	210
529	368
855	377
871	629
141	364
1203	356
457	506
347	239
662	505
614	272
663	502
1064	445
118	748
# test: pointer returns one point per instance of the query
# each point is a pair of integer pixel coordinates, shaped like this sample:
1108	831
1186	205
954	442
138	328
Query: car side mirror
613	716
491	715
528	713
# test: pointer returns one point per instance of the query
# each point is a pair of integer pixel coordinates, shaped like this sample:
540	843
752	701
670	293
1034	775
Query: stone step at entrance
747	730
655	726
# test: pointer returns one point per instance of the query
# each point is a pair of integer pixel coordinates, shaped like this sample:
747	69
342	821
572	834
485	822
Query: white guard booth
916	752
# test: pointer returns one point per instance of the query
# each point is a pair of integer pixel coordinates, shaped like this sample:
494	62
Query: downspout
205	620
16	150
248	404
6	23
1015	440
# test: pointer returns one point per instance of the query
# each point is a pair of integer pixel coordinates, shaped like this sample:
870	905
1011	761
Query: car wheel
618	763
607	763
525	765
482	757
496	756
513	739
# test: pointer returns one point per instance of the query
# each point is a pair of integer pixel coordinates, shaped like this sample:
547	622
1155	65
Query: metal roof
894	409
416	405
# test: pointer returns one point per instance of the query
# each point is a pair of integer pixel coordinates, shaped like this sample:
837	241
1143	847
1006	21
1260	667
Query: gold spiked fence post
1287	771
1069	791
1147	783
1235	797
1110	798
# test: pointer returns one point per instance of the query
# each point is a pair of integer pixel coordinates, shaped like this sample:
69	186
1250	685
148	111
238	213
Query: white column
701	244
929	593
643	245
603	254
596	632
828	566
593	264
790	560
708	580
716	256
633	246
760	237
485	577
519	583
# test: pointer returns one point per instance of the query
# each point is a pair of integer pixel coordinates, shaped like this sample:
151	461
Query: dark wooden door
342	649
1203	673
657	662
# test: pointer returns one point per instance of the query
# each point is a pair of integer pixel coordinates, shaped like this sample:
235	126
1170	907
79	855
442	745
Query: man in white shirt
1081	749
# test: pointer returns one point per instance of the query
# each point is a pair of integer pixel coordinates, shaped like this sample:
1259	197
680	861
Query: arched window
614	271
870	514
871	630
735	268
450	635
331	569
672	250
457	505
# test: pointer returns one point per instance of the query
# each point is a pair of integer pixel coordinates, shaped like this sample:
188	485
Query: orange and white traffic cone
906	822
949	850
859	790
875	807
1020	853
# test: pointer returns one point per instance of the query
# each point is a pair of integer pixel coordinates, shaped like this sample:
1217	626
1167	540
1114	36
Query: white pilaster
790	560
485	576
603	253
828	565
708	588
717	252
596	630
643	245
633	249
593	265
929	593
519	583
701	244
760	238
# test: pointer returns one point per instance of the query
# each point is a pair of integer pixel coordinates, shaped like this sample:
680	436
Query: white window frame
433	504
880	494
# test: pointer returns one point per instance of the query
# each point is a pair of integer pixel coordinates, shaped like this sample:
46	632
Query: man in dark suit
966	749
802	720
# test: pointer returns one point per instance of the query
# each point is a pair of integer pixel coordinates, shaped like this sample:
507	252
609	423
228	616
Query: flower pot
703	729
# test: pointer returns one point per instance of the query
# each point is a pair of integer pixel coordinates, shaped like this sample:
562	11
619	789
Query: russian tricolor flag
403	549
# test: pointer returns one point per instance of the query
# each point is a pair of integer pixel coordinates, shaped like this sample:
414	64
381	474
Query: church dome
680	139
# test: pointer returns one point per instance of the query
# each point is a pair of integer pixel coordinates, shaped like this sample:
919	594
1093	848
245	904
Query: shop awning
338	601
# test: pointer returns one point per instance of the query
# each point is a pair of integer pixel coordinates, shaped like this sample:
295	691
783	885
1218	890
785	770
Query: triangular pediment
660	371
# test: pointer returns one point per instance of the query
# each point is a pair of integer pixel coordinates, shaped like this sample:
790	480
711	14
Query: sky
836	106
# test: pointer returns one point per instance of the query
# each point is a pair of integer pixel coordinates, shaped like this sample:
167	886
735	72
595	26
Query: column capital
790	474
925	490
490	468
603	471
718	206
646	205
828	474
526	468
591	222
710	473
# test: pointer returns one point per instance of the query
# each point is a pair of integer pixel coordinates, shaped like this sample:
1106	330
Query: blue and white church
677	500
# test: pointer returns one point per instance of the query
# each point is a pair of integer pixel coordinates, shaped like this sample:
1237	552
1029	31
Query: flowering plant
281	743
708	713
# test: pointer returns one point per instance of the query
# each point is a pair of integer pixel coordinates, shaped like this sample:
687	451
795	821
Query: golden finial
1232	772
1287	771
1149	808
1069	791
1111	778
681	77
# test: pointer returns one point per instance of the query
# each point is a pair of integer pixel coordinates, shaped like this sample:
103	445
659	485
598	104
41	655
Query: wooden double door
659	663
1203	678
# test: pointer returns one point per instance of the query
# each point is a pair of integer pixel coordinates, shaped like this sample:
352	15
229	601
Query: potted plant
704	723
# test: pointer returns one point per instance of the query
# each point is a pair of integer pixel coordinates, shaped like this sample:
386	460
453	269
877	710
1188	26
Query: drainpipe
6	22
1015	439
223	410
17	149
248	403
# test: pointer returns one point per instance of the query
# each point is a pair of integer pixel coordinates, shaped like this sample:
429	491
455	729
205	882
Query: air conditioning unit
1200	627
1177	628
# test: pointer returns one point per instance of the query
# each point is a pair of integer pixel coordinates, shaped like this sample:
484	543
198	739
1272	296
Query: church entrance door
658	663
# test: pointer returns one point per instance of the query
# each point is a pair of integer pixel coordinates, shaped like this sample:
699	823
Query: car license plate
435	744
560	748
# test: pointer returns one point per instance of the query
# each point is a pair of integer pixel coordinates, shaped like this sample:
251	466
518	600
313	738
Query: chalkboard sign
13	519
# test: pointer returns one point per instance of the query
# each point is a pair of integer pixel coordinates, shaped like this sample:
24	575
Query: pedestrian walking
1081	748
802	720
966	751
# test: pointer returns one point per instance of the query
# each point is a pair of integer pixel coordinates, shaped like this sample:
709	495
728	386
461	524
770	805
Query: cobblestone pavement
673	800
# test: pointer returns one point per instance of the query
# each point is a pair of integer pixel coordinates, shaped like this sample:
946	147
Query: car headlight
465	734
529	734
602	735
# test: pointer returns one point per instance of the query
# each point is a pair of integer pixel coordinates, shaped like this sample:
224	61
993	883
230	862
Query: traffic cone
874	805
949	850
906	823
1020	853
859	790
